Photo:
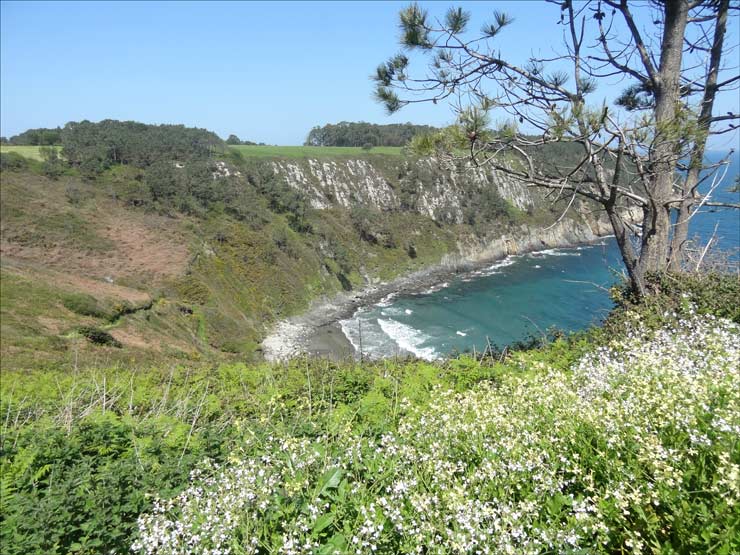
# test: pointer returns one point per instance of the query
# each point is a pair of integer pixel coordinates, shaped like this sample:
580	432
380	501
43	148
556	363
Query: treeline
95	147
169	168
234	140
358	134
35	137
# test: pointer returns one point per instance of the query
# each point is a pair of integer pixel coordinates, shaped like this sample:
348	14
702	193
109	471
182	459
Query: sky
265	71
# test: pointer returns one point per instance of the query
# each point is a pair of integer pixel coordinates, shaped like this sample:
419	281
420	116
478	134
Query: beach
317	331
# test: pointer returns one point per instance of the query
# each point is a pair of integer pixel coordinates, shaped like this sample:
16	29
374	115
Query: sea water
516	298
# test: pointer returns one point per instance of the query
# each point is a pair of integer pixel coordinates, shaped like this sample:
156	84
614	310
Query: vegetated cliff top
185	250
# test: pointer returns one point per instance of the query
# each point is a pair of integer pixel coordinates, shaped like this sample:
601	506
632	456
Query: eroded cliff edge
458	197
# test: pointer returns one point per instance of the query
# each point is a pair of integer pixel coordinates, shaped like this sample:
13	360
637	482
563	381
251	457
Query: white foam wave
556	252
408	311
508	261
408	338
461	333
435	288
348	327
387	300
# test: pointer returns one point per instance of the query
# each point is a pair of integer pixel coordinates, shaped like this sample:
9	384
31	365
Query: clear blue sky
266	71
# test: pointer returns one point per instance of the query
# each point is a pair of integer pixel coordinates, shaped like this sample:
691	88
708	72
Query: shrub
98	336
674	293
84	305
53	165
12	161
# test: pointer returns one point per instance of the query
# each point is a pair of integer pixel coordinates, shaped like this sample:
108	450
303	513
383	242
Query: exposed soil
142	251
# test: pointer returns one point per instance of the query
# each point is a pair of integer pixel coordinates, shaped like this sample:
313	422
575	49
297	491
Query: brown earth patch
132	339
67	281
52	325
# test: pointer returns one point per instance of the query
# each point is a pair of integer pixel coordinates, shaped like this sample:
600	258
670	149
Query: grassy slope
32	152
213	283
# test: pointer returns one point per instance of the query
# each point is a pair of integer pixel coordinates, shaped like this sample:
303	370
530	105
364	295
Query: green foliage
486	208
234	140
97	448
679	293
53	165
13	161
98	336
37	137
94	147
361	134
80	489
372	227
84	305
264	151
192	290
83	455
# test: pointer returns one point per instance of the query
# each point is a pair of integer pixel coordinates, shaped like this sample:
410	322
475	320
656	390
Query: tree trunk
681	228
625	249
664	154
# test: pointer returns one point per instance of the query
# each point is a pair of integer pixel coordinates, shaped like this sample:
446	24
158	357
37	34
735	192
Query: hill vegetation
139	270
358	134
35	137
620	439
185	248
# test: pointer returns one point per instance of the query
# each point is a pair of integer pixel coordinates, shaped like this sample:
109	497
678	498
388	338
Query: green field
31	152
256	151
313	151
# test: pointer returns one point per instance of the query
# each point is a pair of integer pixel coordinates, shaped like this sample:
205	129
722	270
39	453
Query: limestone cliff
446	195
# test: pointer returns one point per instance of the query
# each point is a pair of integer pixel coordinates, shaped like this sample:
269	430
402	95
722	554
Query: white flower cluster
531	464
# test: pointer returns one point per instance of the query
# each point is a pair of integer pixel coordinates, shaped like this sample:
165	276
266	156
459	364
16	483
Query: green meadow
31	152
312	151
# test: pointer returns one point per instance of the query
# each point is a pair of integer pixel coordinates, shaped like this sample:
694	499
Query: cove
507	301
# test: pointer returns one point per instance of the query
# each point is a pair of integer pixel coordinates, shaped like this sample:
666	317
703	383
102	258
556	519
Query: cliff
255	242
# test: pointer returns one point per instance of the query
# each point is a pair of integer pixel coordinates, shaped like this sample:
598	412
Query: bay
518	297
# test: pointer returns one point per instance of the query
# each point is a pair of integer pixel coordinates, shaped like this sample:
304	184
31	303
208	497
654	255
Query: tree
53	165
629	153
233	140
359	133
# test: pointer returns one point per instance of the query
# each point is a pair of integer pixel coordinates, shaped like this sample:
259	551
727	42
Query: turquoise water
514	298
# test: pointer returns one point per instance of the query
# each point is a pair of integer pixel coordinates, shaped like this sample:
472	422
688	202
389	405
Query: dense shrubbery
361	134
631	450
37	137
674	294
613	442
98	336
94	147
13	161
234	140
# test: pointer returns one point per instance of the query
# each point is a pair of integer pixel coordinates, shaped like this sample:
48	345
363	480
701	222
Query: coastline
317	333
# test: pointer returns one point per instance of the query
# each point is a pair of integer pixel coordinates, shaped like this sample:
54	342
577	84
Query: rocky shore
316	332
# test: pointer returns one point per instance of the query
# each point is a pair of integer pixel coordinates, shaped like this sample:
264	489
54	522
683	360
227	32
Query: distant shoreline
317	332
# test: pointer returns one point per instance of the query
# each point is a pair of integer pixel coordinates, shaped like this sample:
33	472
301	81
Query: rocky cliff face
443	194
423	186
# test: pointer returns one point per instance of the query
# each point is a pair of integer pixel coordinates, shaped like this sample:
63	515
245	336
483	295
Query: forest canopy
36	137
358	134
95	147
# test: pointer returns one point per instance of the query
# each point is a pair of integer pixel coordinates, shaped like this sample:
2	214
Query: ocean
518	297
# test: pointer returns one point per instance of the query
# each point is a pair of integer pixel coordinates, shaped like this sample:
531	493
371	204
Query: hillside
195	260
139	416
619	440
